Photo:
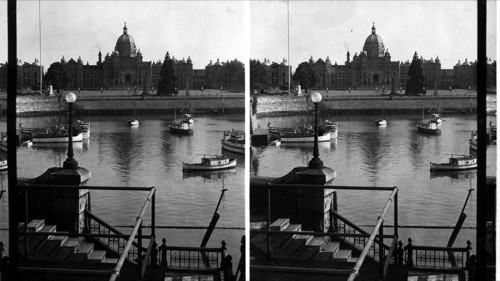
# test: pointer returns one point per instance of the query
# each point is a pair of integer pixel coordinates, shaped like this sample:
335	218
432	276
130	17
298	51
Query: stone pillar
60	206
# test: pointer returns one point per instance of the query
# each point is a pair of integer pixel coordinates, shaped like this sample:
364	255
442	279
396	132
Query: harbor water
149	155
393	155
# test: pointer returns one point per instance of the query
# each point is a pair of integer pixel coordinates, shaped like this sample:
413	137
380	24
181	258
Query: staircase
297	246
59	257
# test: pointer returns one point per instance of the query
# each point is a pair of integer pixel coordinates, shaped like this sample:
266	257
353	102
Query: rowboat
210	163
234	141
381	122
133	122
456	163
180	129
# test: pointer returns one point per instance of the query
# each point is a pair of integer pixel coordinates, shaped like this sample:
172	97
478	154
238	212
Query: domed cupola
125	45
374	46
189	59
311	60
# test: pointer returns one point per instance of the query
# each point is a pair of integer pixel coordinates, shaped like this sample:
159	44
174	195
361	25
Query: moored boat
84	128
180	129
234	141
3	164
133	122
210	163
428	128
435	118
304	136
187	118
55	137
332	128
381	122
456	163
473	141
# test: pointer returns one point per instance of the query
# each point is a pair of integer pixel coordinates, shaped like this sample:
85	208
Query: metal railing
437	257
351	231
194	259
103	232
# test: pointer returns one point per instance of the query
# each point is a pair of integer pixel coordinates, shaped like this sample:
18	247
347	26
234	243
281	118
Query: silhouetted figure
400	253
163	251
228	268
409	249
154	254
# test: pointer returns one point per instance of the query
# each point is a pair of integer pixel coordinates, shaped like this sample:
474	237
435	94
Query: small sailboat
180	128
428	128
435	117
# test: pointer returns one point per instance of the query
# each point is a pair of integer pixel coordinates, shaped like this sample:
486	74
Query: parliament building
373	68
125	68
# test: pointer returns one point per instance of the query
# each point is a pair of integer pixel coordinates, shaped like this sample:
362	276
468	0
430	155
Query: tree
168	80
56	76
415	84
258	76
305	76
235	73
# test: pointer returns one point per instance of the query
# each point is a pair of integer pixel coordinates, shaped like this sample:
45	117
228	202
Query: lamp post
70	162
316	162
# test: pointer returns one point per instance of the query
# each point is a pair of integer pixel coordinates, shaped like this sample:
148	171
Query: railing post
409	254
153	215
396	214
139	252
268	221
26	223
381	249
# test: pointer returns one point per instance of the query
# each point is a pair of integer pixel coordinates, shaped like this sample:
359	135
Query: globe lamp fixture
316	162
70	162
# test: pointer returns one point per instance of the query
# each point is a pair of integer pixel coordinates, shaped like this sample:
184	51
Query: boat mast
40	37
288	25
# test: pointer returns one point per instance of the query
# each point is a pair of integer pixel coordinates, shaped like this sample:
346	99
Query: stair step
110	260
279	224
45	250
62	254
328	251
311	248
342	255
72	242
85	248
295	243
34	241
36	225
97	256
279	240
77	257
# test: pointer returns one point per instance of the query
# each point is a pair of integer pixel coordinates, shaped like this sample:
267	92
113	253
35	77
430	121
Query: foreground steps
297	246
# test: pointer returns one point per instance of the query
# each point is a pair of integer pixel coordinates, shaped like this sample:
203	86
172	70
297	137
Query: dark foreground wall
282	105
40	105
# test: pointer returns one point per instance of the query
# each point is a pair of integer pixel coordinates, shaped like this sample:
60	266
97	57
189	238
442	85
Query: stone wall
279	105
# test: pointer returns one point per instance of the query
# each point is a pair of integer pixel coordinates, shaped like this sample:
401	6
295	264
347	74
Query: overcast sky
200	29
447	29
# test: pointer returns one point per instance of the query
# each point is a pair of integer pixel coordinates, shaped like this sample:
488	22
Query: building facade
373	68
124	68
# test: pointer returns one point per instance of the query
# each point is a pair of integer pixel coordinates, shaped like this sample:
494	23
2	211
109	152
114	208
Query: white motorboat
133	122
210	163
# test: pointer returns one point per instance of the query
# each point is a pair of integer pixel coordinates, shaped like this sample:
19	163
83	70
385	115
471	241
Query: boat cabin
214	161
462	160
184	126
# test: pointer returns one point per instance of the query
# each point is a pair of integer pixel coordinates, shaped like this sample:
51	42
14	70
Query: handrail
201	249
434	248
89	187
65	270
301	270
390	254
131	238
148	253
375	230
313	186
316	233
118	233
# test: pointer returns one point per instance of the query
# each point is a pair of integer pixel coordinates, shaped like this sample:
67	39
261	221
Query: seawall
44	105
287	105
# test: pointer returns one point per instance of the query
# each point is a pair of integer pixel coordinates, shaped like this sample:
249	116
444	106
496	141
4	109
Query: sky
200	29
447	29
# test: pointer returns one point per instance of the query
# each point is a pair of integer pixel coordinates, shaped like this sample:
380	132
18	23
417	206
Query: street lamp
70	163
316	163
450	90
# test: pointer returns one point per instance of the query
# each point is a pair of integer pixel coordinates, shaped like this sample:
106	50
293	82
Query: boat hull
307	138
233	147
56	138
178	131
201	167
446	167
428	131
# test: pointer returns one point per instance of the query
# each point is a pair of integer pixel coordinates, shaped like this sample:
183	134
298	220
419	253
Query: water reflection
459	175
211	175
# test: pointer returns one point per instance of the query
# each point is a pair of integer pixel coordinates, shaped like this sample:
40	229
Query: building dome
125	45
374	46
